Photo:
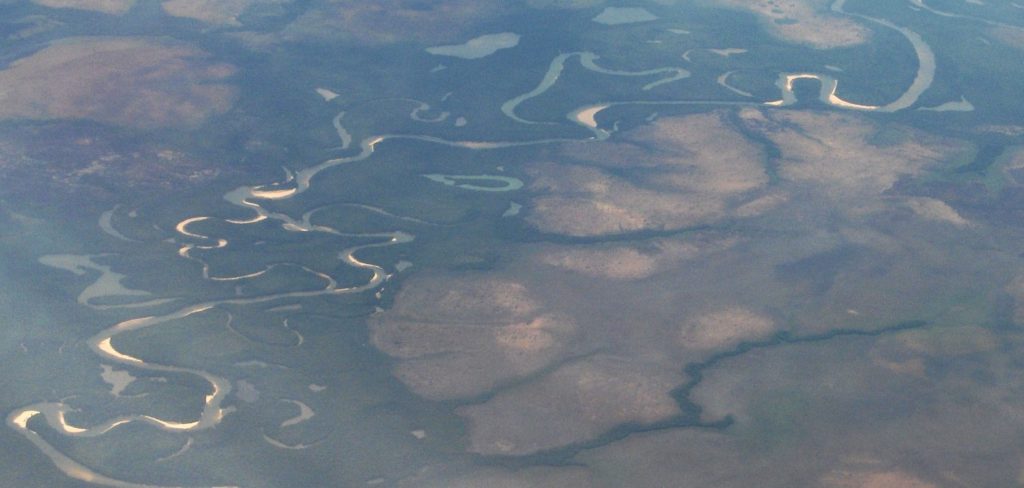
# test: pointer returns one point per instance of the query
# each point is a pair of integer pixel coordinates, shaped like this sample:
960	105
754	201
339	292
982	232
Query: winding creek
829	85
254	199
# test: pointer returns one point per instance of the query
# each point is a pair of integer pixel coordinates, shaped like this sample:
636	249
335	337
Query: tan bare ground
458	337
1011	36
484	299
477	477
934	209
761	205
696	169
706	153
724	328
573	404
444	361
1014	161
909	352
125	81
827	414
683	458
689	457
947	342
622	208
217	12
882	479
701	153
835	151
626	262
807	22
113	7
616	263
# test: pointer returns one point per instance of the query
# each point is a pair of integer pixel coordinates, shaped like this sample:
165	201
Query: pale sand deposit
724	328
803	21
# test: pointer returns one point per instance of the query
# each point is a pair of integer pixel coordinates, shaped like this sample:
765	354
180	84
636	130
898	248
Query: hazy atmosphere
512	243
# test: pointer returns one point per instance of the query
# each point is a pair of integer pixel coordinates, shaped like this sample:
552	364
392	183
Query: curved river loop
253	198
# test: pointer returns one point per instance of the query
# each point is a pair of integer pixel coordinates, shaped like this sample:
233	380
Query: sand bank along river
109	285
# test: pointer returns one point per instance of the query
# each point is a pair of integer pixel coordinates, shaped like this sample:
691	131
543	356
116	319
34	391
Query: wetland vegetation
580	243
